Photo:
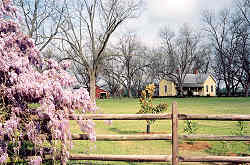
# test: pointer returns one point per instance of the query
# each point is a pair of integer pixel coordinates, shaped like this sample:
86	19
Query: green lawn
201	105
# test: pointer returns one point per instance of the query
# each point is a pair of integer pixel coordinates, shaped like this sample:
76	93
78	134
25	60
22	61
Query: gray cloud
172	13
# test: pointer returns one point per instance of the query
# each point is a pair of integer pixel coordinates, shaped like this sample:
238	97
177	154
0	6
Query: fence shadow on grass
119	131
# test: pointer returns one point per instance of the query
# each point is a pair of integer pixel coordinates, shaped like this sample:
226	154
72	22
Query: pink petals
21	84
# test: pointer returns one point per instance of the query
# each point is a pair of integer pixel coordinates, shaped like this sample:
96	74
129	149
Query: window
212	88
207	88
166	89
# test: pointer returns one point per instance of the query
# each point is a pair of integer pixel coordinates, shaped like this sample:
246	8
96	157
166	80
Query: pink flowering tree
26	78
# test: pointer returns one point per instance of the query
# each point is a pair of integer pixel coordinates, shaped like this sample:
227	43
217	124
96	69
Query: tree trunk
181	90
218	92
246	90
129	87
148	128
129	93
92	84
228	90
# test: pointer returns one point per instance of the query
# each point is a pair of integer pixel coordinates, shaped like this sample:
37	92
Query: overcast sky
171	13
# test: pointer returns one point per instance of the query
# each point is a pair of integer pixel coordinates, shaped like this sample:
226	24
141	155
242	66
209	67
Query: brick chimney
195	71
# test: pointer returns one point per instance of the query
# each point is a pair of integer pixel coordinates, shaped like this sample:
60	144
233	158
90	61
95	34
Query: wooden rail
162	117
157	158
175	158
167	137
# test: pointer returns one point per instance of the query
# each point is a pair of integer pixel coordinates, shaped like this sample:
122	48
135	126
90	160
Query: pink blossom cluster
27	78
7	9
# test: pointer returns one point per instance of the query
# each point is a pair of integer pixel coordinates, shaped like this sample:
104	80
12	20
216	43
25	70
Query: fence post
174	134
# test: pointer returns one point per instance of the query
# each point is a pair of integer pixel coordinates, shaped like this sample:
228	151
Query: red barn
101	93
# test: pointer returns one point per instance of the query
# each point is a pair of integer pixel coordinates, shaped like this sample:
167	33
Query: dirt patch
195	146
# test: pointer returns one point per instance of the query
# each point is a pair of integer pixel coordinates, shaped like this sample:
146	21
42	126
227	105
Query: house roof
193	80
196	78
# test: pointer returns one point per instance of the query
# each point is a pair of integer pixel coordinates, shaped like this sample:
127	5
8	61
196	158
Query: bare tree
111	74
88	28
202	62
243	56
227	33
140	67
42	19
181	53
81	74
131	58
157	63
243	44
128	64
127	51
244	6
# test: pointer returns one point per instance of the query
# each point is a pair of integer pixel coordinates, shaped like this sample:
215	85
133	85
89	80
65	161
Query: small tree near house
146	105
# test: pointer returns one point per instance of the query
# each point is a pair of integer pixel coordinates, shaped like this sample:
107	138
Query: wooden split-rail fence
175	158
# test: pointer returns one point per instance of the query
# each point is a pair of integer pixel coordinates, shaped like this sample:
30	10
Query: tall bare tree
88	28
157	63
42	19
128	55
244	7
112	75
81	74
228	33
181	53
243	44
243	60
129	59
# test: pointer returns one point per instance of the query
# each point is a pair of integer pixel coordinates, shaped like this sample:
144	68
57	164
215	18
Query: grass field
202	105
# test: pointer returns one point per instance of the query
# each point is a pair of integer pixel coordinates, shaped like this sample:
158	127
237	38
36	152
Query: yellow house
193	85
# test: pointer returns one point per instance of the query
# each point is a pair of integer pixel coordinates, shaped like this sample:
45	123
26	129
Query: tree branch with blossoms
146	104
26	131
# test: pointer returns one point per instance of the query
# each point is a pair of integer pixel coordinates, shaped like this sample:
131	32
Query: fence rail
162	117
157	158
161	137
175	158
